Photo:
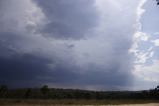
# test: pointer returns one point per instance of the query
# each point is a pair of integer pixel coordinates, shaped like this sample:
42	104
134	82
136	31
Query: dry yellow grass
152	104
21	102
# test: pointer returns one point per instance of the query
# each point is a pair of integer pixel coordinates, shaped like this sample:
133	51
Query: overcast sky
85	44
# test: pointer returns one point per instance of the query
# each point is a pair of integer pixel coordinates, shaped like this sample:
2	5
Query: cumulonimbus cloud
73	43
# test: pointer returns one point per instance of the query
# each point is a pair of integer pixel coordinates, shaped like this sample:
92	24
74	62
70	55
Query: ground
73	102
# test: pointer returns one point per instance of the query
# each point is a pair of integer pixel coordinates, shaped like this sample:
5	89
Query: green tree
3	91
28	93
44	89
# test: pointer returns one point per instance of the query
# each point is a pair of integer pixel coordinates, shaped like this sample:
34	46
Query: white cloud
141	56
156	42
145	65
140	12
148	73
141	36
138	35
156	33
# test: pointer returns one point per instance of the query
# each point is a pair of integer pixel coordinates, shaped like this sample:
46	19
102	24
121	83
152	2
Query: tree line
53	93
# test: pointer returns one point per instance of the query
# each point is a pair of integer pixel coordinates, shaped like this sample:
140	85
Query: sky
84	44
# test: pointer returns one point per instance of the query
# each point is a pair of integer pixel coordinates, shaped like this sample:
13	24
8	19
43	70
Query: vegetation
51	96
51	93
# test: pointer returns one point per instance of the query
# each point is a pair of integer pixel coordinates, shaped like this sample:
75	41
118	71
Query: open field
20	102
152	104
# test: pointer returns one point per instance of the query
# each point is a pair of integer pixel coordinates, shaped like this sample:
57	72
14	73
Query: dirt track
151	104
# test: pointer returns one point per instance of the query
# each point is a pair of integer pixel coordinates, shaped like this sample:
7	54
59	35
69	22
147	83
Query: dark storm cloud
21	69
69	19
112	75
29	57
30	70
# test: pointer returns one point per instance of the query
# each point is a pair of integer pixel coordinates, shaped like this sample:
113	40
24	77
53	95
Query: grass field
29	102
